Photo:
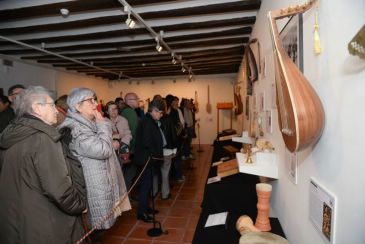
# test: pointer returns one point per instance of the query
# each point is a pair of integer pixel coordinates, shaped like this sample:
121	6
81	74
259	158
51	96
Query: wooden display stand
227	168
227	132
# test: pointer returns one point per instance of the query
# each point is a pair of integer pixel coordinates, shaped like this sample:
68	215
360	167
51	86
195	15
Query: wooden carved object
209	106
301	115
263	206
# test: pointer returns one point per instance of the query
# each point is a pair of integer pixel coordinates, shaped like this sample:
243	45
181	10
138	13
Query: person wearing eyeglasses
131	103
9	113
149	149
92	144
39	202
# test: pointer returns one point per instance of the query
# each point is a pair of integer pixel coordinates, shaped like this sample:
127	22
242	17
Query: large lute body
301	115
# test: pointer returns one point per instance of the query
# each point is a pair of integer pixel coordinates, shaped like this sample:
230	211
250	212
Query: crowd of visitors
66	167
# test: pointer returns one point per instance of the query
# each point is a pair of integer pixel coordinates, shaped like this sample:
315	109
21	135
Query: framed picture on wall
292	38
268	121
261	101
247	107
273	95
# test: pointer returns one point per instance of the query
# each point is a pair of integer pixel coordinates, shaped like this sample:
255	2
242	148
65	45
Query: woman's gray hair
77	95
24	101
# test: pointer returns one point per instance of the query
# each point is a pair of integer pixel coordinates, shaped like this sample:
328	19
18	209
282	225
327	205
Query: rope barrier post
155	231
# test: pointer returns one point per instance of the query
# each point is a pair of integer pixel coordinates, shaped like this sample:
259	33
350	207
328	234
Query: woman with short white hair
39	203
92	145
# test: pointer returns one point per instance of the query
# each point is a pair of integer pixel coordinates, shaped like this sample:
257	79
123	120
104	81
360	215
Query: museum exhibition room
237	121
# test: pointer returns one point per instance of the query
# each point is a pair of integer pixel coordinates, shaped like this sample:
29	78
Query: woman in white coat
92	145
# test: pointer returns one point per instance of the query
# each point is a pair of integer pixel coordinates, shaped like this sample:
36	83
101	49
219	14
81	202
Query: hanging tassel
317	41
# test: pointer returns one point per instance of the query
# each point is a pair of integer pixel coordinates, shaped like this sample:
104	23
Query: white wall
336	160
23	73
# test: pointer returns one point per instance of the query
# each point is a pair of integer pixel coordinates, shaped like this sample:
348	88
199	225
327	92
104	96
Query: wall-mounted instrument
301	115
209	106
237	100
196	105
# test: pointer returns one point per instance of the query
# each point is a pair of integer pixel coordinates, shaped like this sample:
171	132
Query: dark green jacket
131	115
38	201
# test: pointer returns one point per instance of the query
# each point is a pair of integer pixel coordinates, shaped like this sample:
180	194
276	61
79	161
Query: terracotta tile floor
178	215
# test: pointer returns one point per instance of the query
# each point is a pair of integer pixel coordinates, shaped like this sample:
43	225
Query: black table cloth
235	194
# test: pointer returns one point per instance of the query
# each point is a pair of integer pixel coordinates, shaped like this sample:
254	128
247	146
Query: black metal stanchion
157	229
199	149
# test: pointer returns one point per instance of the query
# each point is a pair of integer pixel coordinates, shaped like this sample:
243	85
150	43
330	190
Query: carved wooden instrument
253	73
209	106
196	105
239	105
301	115
235	100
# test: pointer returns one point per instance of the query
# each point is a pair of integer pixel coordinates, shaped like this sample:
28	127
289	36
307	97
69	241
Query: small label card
217	163
216	219
213	179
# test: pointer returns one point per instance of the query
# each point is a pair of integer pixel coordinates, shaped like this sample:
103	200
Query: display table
235	194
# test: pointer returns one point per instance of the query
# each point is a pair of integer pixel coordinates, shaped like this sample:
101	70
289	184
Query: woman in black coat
39	202
148	149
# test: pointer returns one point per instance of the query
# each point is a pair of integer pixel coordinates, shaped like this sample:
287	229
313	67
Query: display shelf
264	164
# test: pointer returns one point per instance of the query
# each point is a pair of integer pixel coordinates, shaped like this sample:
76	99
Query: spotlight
158	46
43	45
173	61
129	22
183	69
64	12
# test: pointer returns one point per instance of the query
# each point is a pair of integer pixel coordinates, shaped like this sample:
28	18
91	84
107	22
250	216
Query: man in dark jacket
6	113
131	103
38	201
9	113
148	149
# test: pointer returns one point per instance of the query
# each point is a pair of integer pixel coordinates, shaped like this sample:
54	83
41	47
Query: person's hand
116	144
98	116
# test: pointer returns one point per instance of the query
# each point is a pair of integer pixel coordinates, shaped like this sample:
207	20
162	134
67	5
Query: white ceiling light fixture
158	46
183	68
173	61
129	21
161	44
64	12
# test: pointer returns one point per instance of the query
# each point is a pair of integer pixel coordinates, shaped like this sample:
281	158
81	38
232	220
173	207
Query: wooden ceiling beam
79	6
108	20
126	59
194	44
126	32
215	34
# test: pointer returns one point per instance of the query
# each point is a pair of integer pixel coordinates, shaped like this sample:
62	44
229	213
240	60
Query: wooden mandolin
301	115
209	106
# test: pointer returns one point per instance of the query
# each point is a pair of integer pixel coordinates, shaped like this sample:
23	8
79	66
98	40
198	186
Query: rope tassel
316	39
